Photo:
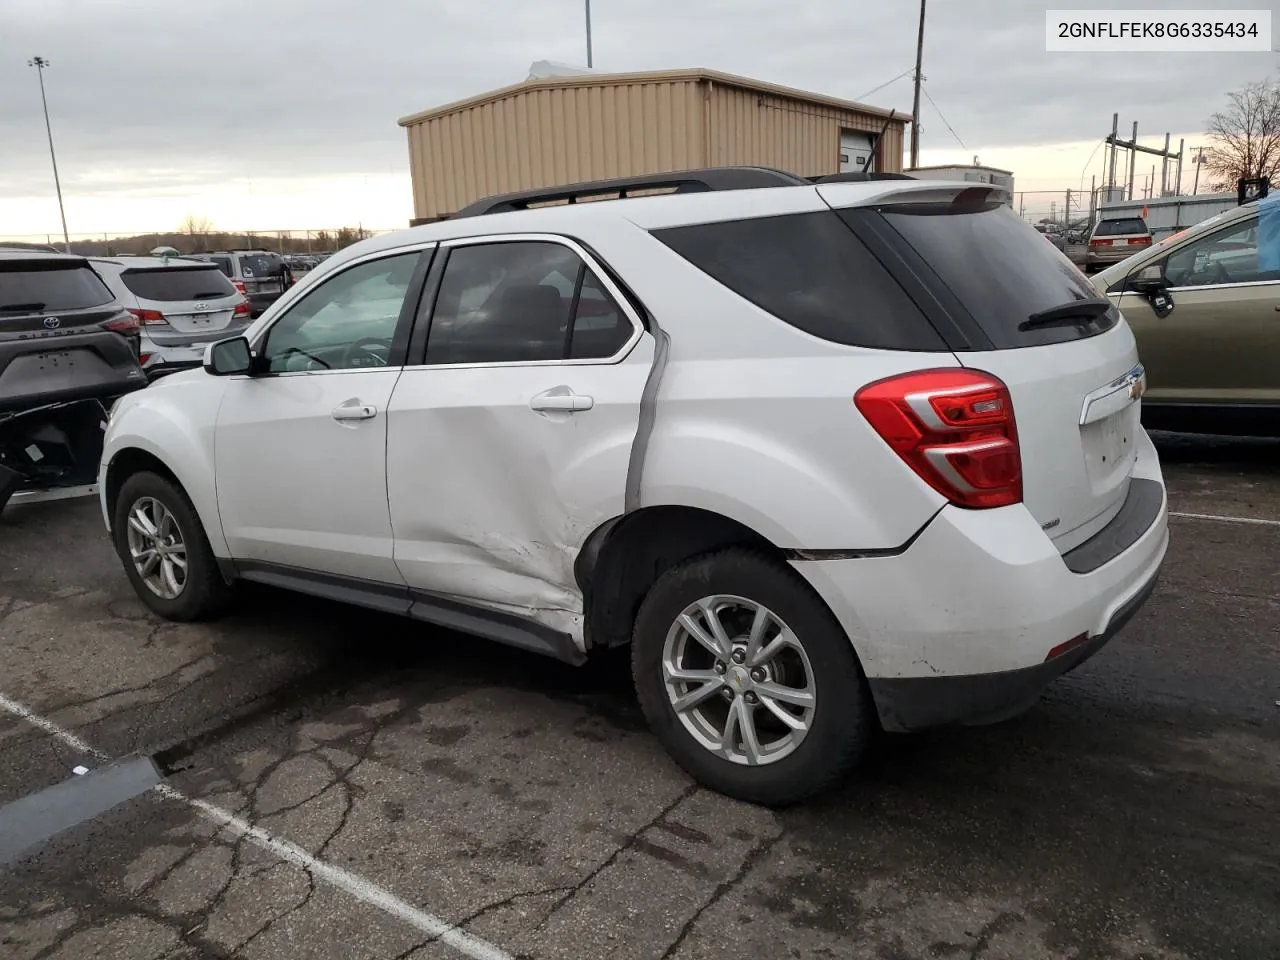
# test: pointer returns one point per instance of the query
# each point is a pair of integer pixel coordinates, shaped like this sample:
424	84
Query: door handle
354	410
561	399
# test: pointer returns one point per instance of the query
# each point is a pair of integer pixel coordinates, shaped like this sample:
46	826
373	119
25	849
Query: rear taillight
126	323
242	309
239	285
1141	242
148	316
1099	243
143	358
954	428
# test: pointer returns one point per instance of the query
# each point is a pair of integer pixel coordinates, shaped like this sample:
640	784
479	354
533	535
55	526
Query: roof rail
857	176
681	181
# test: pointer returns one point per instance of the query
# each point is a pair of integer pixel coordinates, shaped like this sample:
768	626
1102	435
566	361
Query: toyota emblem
52	323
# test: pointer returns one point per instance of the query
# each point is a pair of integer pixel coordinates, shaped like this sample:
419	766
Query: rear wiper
1077	311
21	306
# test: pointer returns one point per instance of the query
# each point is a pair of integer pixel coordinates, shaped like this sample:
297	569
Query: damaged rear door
510	434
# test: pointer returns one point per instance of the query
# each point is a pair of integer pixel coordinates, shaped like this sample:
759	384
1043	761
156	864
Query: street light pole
40	63
589	63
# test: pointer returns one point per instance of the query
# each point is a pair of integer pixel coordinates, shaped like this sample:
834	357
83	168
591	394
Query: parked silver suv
181	305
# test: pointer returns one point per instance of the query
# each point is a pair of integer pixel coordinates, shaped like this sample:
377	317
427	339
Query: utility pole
1111	160
1195	188
915	106
1164	167
1178	190
589	63
40	63
1132	158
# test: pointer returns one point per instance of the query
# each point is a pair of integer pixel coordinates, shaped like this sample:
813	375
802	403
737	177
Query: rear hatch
1121	236
63	336
192	299
1015	307
263	275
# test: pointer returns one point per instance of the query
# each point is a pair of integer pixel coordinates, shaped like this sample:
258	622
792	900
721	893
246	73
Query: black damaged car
68	349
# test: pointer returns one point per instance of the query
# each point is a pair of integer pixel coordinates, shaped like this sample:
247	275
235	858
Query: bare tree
1246	136
194	225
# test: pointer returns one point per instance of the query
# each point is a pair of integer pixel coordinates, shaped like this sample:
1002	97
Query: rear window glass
259	265
812	272
1120	228
997	268
41	289
170	284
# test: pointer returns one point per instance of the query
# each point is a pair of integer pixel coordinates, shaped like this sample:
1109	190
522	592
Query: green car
1204	305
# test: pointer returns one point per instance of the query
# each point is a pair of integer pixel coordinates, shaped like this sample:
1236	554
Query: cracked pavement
1134	814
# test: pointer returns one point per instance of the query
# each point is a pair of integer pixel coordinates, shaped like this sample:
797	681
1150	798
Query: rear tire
776	763
164	549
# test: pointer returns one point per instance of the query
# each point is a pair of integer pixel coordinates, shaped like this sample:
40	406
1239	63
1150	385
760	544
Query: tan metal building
567	129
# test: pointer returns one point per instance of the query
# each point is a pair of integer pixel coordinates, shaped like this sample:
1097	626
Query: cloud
153	95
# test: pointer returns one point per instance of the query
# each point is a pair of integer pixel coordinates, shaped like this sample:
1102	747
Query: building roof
654	76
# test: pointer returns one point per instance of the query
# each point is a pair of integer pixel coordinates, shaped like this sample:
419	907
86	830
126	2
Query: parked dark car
67	350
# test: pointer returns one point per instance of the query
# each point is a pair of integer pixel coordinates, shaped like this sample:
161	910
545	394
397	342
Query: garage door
855	152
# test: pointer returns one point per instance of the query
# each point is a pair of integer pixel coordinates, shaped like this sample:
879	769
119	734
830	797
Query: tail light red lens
126	323
143	358
239	285
955	428
242	309
148	316
1099	243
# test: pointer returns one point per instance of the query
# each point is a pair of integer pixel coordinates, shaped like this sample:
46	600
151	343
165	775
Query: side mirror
228	357
1149	279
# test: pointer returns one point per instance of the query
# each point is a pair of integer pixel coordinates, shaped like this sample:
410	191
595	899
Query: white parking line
363	890
1220	519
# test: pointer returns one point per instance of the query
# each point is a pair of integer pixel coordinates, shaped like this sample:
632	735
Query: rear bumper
917	703
957	628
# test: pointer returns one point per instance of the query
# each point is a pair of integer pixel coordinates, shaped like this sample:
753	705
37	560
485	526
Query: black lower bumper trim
917	703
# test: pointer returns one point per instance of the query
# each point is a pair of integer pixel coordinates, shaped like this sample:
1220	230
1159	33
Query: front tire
748	680
166	555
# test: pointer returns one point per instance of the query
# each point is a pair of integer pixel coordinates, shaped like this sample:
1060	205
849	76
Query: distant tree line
197	235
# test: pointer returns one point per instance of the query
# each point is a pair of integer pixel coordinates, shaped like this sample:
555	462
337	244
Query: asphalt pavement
303	780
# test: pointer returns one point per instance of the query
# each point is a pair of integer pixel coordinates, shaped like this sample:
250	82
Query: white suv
827	456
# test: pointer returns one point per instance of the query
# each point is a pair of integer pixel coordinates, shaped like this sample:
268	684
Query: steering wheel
367	352
1219	273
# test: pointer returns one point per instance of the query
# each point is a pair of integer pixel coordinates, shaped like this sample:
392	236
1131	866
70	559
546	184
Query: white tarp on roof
550	68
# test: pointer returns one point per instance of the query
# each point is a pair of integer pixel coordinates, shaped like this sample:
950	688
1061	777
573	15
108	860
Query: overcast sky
282	113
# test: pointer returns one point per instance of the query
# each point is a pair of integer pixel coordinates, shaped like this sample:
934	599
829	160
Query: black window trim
1162	261
417	353
426	253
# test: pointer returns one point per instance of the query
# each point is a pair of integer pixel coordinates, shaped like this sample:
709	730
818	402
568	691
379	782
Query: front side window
522	302
1228	256
348	322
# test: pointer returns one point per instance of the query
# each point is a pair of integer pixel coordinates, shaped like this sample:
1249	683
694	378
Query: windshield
997	267
57	285
170	284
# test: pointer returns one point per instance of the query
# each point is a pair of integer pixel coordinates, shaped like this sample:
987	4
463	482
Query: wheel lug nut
727	693
751	697
757	675
739	655
719	667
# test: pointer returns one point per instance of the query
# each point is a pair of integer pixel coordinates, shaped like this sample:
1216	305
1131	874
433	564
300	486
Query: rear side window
998	268
222	263
810	271
45	287
170	284
1121	228
523	302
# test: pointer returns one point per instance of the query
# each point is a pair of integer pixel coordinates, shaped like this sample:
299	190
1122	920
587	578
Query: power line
904	73
944	119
